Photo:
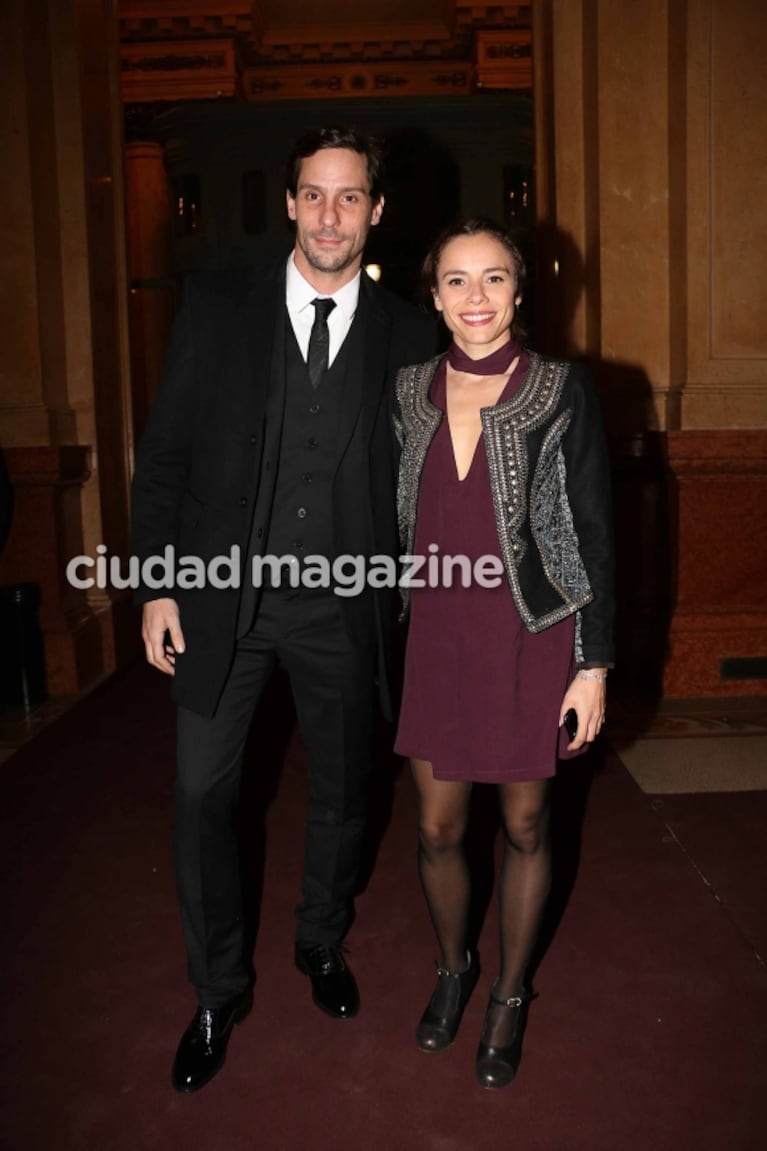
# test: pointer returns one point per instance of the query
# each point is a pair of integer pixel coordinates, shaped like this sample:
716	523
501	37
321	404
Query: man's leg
206	854
334	689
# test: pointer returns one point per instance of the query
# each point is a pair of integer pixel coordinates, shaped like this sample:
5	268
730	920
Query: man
271	433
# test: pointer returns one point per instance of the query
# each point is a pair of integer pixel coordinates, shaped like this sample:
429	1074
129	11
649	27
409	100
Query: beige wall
654	167
651	127
651	119
64	388
726	382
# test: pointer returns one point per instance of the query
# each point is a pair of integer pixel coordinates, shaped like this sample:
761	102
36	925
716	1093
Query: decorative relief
377	34
504	59
452	80
494	15
300	82
259	87
172	61
180	17
173	69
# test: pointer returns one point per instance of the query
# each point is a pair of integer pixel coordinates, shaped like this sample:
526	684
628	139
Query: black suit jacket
199	463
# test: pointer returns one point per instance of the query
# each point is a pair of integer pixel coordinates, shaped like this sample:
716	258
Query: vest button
311	442
306	477
254	439
243	501
314	409
301	513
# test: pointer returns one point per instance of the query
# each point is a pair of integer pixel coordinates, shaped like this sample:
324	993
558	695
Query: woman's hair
479	226
338	136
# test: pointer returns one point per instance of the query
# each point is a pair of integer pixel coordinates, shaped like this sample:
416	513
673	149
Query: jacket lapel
366	369
254	339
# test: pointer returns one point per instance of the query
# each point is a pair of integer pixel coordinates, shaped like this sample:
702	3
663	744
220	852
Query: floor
701	763
692	746
650	1025
649	738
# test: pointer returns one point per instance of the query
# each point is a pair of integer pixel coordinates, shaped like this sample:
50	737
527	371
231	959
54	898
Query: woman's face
477	293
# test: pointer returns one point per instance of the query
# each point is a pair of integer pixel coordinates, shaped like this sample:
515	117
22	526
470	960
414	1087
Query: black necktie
319	340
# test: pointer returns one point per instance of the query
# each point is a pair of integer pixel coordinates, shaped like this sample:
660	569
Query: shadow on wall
423	196
645	533
6	502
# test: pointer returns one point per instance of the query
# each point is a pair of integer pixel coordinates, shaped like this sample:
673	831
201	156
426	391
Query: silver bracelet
587	673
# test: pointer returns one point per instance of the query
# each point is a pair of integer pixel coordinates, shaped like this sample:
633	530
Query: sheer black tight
444	810
524	881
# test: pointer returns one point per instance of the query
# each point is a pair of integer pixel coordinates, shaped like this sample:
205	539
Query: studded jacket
550	483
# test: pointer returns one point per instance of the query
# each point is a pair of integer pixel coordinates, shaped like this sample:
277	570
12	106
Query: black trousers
334	692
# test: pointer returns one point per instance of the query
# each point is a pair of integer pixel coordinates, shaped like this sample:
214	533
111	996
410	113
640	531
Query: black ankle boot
496	1066
439	1022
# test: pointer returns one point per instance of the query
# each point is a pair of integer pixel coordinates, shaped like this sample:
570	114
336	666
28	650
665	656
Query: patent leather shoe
497	1064
202	1050
439	1023
334	988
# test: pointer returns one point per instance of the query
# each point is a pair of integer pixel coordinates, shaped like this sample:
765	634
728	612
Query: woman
503	456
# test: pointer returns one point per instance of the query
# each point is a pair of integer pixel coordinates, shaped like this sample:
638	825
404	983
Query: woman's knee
527	831
439	835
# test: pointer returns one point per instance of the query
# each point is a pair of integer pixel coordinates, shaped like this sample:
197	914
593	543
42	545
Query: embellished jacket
550	483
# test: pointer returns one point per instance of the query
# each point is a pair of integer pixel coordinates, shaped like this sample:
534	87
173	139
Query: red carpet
650	1030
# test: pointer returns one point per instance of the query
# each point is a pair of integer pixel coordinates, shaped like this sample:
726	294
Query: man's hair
337	136
478	226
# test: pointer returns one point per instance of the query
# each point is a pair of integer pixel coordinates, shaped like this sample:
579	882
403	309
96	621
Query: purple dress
481	695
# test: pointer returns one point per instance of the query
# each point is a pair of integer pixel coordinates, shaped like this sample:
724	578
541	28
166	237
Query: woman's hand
586	695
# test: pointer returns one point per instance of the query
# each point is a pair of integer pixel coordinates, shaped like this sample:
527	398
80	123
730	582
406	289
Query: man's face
333	212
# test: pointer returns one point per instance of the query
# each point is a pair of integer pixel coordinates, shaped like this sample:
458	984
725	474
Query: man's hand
161	616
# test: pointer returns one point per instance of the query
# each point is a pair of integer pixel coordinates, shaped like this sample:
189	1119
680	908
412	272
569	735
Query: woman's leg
445	879
524	888
525	877
443	815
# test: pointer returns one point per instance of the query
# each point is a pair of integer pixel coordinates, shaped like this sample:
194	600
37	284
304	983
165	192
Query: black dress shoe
334	988
439	1022
496	1065
202	1050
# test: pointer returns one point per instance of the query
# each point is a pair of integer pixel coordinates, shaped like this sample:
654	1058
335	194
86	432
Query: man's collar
299	292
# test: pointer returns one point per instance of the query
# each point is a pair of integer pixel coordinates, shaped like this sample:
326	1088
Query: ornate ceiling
298	49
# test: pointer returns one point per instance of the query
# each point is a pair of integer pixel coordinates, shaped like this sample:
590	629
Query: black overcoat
199	471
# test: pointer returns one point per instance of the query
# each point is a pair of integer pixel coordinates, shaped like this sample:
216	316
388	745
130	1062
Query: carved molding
374	33
197	49
178	69
327	81
152	18
504	59
200	69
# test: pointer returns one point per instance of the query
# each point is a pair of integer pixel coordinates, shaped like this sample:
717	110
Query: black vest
301	521
293	515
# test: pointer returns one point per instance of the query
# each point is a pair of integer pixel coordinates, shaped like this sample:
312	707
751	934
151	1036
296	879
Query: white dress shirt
299	294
